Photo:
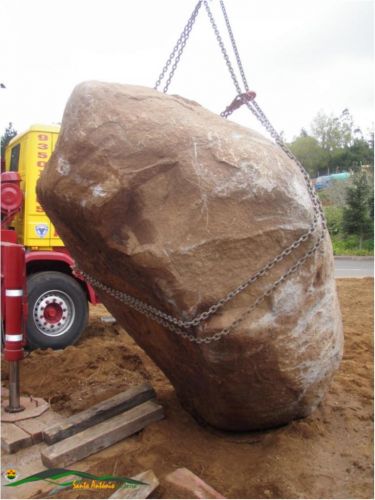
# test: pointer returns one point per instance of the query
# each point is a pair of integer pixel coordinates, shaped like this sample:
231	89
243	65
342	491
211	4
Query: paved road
353	268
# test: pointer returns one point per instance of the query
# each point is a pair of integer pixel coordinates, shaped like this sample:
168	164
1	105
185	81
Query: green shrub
334	216
358	213
344	244
351	246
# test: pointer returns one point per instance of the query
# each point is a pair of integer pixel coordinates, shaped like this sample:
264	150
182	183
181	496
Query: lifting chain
174	324
253	105
177	50
247	97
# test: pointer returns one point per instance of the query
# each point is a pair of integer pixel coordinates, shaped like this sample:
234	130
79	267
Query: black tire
57	310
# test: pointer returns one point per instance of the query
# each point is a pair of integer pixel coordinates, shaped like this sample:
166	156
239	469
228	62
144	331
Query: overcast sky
299	56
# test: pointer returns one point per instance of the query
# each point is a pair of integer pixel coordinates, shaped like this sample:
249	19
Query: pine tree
357	214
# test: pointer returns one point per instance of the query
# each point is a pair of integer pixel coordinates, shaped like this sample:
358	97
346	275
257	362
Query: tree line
334	144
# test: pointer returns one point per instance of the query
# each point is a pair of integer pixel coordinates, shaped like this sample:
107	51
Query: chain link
222	47
234	46
173	325
255	108
131	301
177	50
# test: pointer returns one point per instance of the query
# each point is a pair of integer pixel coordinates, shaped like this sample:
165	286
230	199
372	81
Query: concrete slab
33	408
36	426
190	485
13	438
24	462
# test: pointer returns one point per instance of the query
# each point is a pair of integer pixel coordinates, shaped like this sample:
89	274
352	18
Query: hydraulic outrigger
13	277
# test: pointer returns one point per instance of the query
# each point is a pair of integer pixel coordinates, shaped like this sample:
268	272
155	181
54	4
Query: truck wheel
58	310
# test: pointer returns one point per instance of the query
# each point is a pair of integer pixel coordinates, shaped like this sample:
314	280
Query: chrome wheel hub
53	313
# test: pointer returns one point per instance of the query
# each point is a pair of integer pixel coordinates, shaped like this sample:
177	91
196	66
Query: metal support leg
14	388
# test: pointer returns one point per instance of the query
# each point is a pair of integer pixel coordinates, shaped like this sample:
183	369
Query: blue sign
41	230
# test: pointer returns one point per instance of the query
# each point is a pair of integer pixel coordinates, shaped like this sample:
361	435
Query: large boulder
166	202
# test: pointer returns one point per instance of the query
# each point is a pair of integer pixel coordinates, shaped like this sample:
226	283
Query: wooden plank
148	477
13	438
99	412
102	435
35	426
191	486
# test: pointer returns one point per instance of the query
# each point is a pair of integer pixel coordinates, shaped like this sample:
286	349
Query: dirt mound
327	455
101	365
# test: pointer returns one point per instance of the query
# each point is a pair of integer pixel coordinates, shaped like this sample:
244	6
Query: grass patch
350	246
344	244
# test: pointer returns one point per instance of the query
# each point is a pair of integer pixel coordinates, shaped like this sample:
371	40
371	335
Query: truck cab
57	299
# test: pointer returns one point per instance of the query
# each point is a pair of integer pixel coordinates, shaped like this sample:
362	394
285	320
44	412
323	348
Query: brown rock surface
159	198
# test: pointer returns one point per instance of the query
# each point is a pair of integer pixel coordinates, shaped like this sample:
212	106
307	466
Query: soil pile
326	455
101	365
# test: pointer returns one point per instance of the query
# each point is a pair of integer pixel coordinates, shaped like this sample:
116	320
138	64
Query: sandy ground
327	455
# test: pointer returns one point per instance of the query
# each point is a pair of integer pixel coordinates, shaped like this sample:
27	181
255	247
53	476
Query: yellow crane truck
57	299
